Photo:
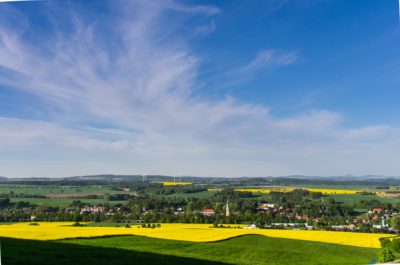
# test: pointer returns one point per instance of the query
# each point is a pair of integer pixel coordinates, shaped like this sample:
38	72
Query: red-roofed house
377	210
208	212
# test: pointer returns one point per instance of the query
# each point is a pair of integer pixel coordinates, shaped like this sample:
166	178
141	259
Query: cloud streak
268	59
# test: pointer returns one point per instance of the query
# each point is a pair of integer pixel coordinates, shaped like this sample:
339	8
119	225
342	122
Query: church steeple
227	213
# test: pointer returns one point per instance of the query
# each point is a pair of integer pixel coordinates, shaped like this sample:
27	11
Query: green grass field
202	194
353	198
63	203
43	190
141	250
24	252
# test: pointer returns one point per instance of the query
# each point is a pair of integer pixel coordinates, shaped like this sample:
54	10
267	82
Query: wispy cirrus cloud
206	29
264	61
269	59
120	96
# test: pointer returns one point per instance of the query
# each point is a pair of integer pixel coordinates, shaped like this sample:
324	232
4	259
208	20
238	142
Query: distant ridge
160	178
344	177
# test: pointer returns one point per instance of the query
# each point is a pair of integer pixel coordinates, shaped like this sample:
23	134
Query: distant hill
238	181
119	178
340	178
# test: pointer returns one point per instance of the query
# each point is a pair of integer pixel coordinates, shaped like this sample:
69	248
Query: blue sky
206	88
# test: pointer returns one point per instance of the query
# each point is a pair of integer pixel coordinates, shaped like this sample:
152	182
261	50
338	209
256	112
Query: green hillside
142	250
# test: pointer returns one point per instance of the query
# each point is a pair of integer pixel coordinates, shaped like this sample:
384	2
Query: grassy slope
24	252
242	250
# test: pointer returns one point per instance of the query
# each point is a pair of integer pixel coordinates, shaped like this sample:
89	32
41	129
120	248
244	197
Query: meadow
355	198
251	249
62	202
57	196
46	190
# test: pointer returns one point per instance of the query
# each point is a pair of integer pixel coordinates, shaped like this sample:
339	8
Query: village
265	215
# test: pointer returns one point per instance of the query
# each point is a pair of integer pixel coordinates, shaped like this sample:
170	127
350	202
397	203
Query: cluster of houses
375	218
92	209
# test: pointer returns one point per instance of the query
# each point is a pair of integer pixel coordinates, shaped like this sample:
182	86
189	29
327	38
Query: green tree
385	255
395	222
395	244
385	242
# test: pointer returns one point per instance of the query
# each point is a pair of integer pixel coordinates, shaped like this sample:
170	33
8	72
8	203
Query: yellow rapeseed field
177	183
288	189
186	232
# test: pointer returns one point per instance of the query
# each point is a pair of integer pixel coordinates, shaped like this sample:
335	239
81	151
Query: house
344	227
308	227
92	209
253	226
179	211
208	212
377	210
265	207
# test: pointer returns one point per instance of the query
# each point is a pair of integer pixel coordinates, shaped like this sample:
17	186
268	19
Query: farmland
288	189
117	216
185	232
177	183
49	189
61	202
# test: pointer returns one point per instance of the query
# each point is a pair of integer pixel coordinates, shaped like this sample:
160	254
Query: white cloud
194	9
129	106
270	58
206	29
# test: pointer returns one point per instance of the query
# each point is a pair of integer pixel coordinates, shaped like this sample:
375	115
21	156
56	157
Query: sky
199	88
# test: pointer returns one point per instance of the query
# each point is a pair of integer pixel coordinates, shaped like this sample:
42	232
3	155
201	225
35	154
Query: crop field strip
185	232
288	189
